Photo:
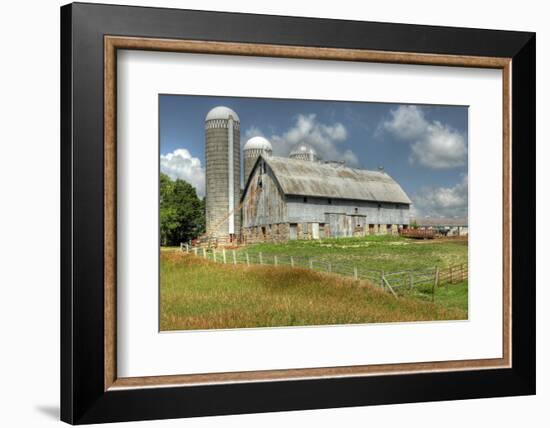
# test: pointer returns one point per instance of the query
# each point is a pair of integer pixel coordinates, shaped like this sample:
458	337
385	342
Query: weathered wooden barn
286	199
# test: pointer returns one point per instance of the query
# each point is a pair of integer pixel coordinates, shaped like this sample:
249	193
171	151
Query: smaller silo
305	152
253	148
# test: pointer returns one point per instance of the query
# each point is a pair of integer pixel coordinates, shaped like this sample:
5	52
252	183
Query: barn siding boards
263	202
315	209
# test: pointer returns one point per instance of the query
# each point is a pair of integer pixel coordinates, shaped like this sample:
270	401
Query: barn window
356	210
379	205
330	201
397	206
305	199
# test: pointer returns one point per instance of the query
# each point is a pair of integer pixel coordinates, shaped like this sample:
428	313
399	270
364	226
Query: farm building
294	198
444	226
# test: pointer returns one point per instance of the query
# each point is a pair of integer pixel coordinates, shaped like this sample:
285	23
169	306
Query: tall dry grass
198	294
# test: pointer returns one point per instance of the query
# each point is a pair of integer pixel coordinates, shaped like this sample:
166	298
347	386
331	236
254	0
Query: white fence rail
397	283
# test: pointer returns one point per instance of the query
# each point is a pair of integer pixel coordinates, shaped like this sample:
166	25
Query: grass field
387	252
200	294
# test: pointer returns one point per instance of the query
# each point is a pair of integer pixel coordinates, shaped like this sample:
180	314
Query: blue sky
423	147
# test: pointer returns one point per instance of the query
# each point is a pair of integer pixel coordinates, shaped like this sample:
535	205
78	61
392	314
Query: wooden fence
453	274
417	233
396	283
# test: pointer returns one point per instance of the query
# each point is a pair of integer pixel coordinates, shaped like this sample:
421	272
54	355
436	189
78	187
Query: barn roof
305	178
442	221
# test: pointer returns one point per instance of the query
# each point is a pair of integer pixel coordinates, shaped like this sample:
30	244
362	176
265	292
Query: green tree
181	211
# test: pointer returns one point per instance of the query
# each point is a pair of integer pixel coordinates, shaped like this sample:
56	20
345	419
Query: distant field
200	294
390	253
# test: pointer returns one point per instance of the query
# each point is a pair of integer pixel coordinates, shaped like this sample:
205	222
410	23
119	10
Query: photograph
295	212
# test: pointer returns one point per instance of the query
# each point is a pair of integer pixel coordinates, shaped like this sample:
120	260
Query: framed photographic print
265	213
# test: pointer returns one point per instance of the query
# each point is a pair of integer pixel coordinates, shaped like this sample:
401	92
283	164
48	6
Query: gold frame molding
113	43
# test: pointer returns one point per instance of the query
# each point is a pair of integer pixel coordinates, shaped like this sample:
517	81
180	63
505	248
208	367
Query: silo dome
258	143
304	151
254	148
221	112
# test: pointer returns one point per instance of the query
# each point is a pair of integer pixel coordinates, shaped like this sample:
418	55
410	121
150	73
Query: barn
302	197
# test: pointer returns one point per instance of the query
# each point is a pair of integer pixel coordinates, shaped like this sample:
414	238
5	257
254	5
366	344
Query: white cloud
442	201
180	164
433	144
325	138
252	131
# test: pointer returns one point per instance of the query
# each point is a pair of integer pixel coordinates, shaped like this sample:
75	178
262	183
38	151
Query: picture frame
91	391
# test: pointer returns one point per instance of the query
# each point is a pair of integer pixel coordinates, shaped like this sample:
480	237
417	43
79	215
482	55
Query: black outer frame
83	399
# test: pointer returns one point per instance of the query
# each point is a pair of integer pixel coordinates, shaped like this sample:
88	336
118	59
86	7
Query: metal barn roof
298	177
442	221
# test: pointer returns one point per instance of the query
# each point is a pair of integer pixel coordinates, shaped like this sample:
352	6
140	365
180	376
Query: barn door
332	220
293	232
338	224
315	230
349	222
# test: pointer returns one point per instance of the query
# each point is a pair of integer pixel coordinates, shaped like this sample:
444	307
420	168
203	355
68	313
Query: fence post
451	273
355	275
224	257
310	263
181	246
291	261
275	260
234	258
247	259
204	252
389	286
261	259
214	254
196	250
436	277
382	278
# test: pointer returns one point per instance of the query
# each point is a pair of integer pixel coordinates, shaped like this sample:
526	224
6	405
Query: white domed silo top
258	143
304	151
221	112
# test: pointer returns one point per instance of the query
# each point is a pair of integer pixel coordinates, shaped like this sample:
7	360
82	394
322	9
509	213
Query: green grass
377	252
453	296
200	294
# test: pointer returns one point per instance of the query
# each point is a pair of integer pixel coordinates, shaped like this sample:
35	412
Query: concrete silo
223	174
253	148
305	152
